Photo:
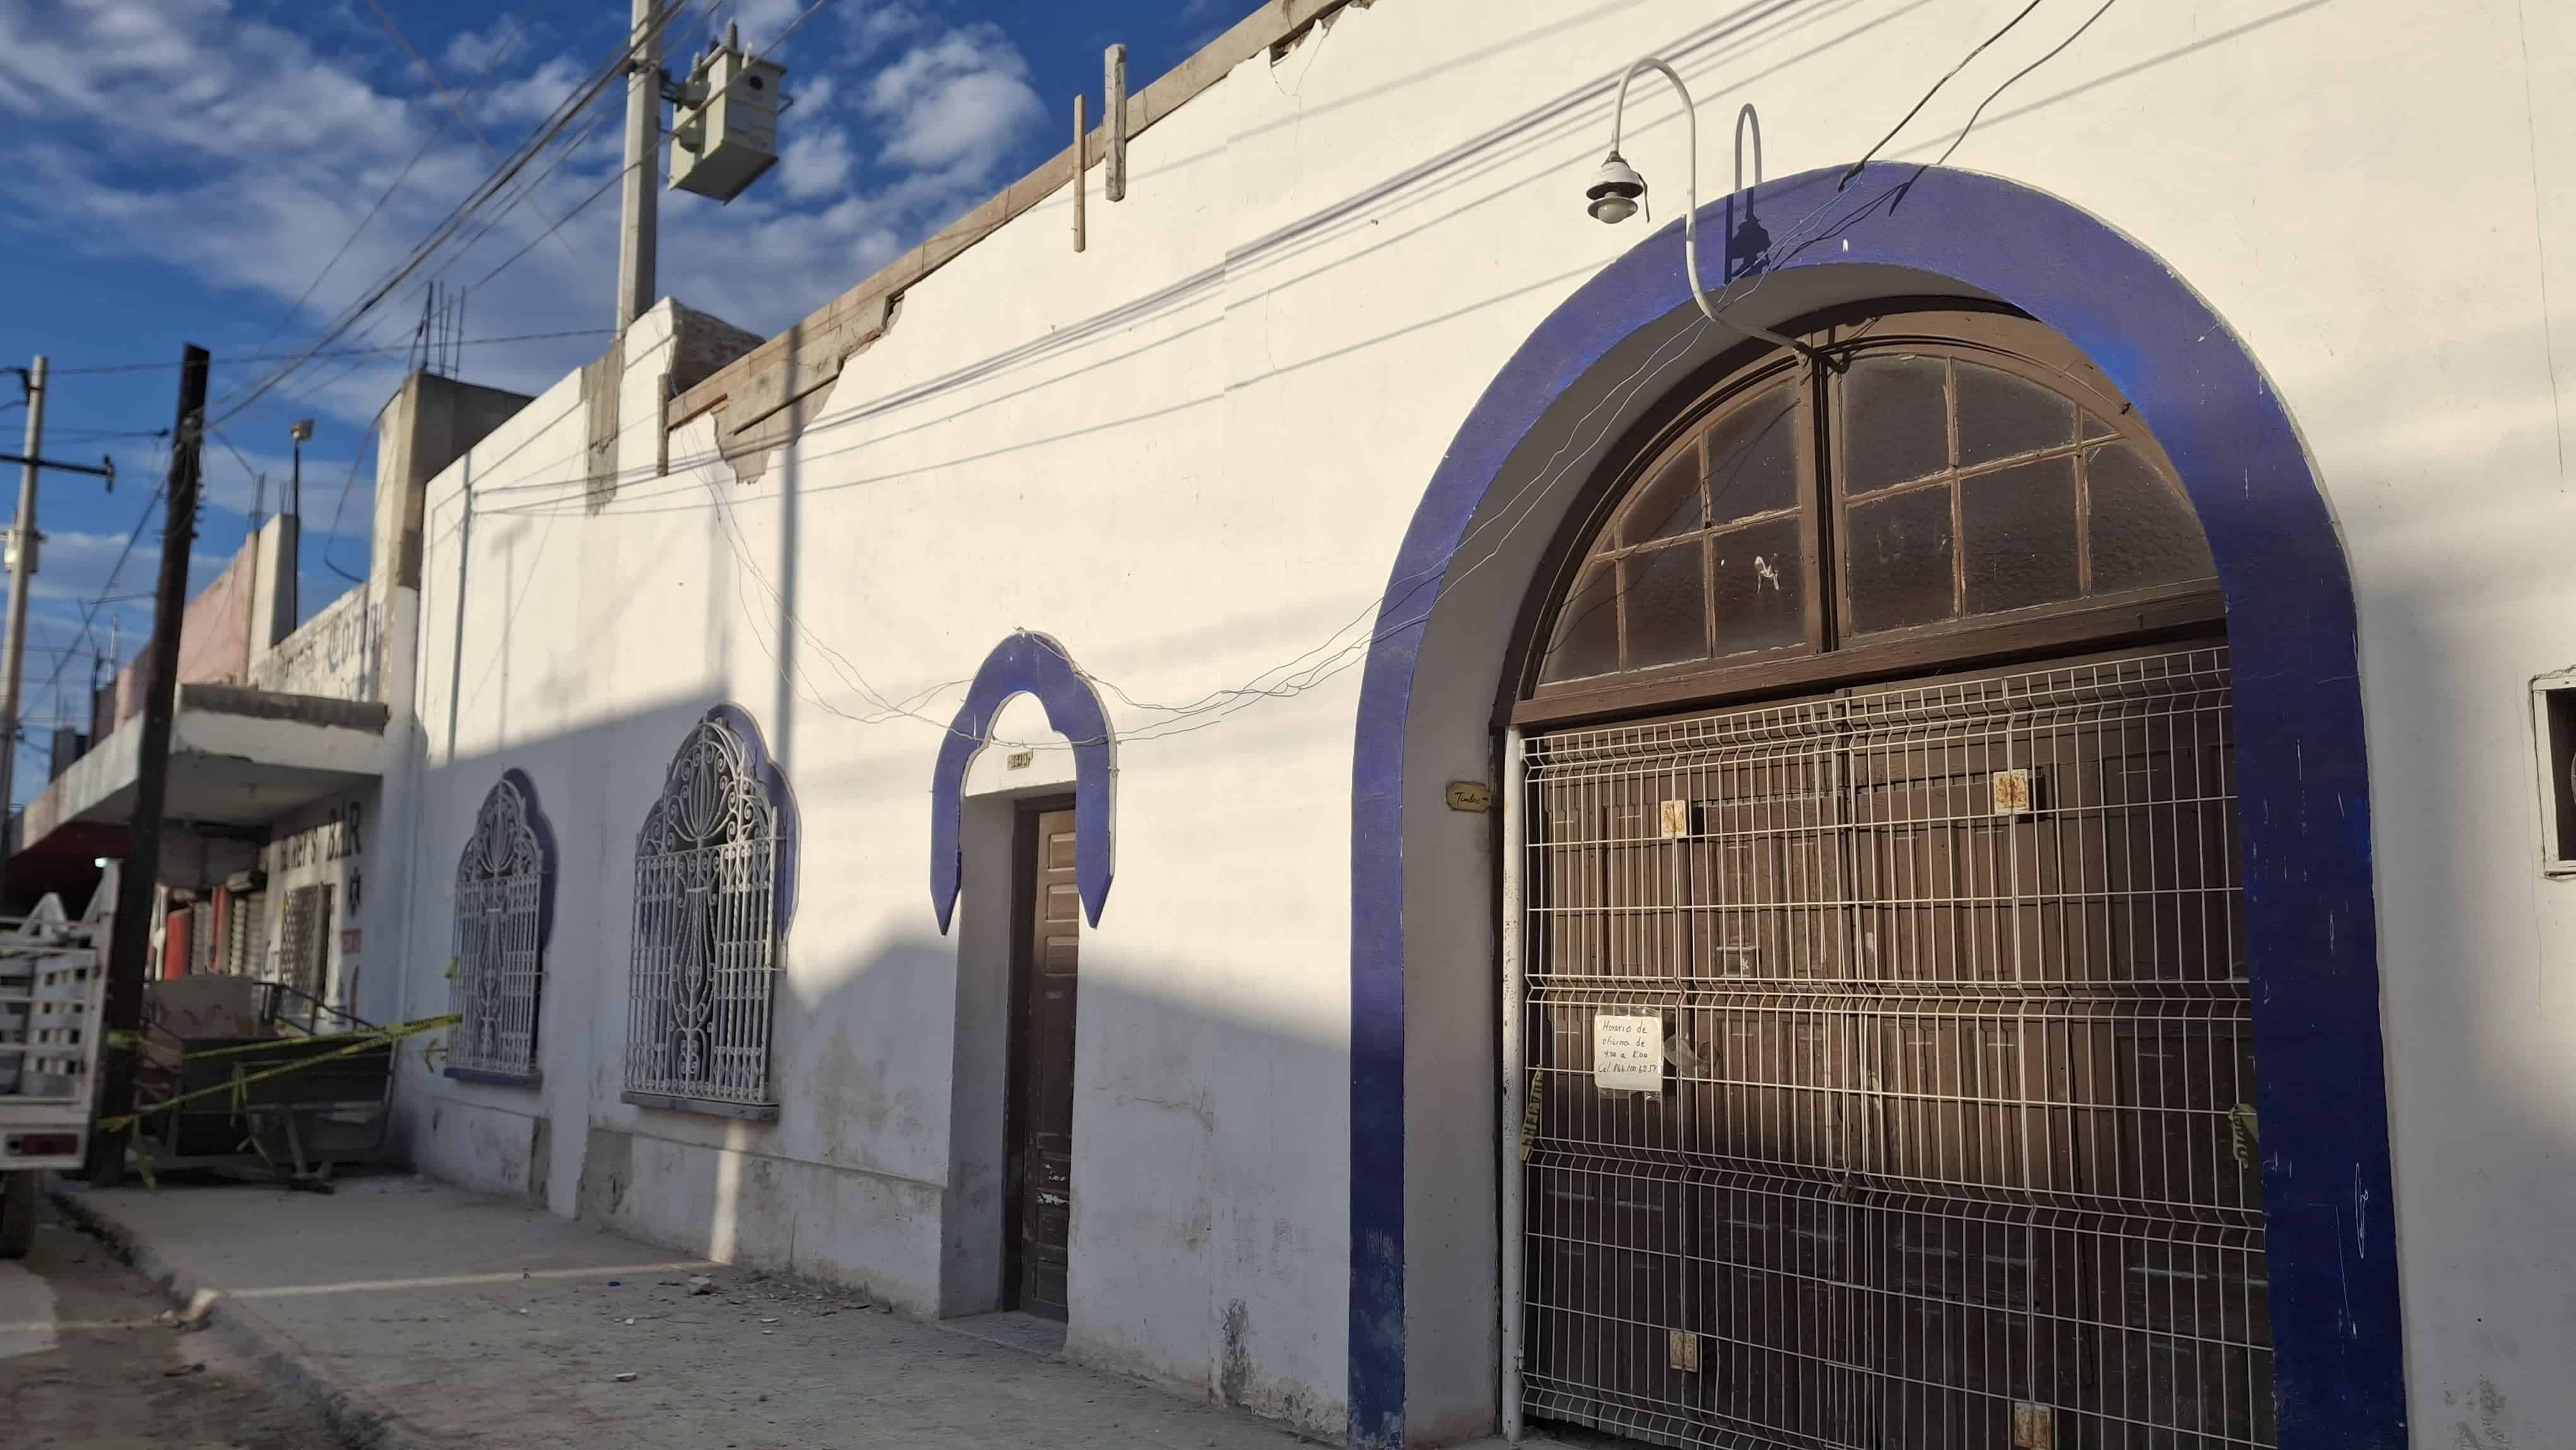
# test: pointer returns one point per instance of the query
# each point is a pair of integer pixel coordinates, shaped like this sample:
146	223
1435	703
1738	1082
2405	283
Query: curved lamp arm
1690	218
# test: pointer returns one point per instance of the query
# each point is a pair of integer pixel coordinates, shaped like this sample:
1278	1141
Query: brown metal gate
1951	1145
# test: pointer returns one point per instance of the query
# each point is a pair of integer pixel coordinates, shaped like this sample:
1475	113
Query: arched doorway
1423	1277
1878	1007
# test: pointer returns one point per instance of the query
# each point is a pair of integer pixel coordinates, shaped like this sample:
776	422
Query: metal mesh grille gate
1954	1145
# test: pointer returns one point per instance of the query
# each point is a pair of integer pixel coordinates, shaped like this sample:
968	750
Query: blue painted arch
1028	663
2304	794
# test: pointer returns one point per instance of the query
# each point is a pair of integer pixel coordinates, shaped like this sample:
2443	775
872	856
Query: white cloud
476	53
533	97
763	20
954	103
815	162
186	129
876	24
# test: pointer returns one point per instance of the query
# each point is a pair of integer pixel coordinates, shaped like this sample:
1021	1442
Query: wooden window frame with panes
1827	654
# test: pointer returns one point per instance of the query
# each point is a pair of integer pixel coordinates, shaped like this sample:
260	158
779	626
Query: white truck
53	977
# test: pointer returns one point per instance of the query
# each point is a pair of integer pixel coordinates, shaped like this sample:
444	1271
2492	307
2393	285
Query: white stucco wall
1189	453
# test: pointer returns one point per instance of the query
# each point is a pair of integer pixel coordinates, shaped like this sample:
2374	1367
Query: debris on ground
701	1284
626	1377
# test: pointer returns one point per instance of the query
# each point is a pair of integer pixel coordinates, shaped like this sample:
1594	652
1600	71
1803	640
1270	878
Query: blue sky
192	170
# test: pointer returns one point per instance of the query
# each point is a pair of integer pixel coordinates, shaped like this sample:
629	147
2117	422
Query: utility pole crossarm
104	468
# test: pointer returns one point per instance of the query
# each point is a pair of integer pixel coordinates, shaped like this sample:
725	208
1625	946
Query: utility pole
22	571
139	879
635	238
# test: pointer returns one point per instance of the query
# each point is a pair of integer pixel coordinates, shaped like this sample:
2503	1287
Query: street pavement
90	1359
417	1315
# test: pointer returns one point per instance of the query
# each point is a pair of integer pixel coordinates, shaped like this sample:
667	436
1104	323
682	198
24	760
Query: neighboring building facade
1498	850
281	736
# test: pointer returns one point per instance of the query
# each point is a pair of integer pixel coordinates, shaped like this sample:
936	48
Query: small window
503	883
711	894
2553	718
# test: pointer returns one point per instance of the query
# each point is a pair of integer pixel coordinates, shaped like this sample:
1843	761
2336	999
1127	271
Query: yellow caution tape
131	1041
357	1042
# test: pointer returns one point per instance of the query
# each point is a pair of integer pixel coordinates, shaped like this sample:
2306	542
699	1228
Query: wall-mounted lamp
1617	190
1617	193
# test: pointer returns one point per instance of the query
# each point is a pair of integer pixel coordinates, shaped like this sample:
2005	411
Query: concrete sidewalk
420	1316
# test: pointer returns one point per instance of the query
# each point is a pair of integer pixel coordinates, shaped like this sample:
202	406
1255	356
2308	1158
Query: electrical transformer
724	129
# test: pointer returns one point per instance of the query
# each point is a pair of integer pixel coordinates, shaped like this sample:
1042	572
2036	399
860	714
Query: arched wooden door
1882	1023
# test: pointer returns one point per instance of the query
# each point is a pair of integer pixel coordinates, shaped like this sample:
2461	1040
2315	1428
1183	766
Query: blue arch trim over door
1028	663
2303	802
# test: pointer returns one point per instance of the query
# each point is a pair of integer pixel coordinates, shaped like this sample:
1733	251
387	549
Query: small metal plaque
1472	796
1683	1353
2012	792
2034	1427
1677	819
1020	760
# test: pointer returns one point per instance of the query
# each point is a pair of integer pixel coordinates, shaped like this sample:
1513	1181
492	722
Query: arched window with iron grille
504	907
714	883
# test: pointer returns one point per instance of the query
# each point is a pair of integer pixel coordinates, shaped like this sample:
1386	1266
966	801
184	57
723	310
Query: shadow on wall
1207	1239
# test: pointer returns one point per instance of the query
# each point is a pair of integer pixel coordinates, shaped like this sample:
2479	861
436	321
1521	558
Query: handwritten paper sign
1628	1054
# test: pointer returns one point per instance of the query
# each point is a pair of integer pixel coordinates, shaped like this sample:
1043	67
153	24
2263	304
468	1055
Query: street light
299	430
1617	193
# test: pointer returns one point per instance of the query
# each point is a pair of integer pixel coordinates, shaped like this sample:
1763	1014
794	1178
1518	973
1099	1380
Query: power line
331	535
458	217
458	108
620	174
90	613
1858	166
515	337
2051	54
1316	666
518	25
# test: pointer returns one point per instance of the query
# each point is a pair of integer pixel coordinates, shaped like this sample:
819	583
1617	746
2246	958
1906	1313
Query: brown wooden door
1042	1066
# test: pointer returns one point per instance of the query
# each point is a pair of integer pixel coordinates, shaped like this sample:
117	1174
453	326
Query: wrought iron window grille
504	886
710	898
